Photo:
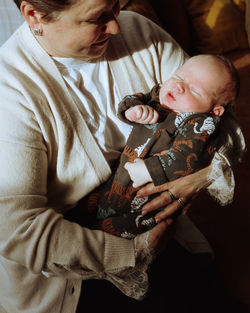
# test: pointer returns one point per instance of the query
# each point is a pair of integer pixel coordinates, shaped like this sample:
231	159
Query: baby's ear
218	110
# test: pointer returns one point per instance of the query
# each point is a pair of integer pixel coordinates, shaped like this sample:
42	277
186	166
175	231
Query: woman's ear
218	110
31	15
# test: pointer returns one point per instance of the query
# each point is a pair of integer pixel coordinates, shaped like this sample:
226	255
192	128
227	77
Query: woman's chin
99	49
93	52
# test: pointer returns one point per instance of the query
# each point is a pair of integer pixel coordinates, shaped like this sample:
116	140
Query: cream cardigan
49	160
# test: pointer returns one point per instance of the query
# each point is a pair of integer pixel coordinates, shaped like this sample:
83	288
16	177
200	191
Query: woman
62	74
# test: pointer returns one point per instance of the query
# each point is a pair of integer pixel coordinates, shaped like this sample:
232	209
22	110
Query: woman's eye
92	21
96	21
106	16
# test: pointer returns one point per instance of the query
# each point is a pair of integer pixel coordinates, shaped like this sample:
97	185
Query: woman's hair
49	8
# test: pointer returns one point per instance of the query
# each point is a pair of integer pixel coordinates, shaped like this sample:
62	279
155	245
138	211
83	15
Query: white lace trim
133	282
232	148
222	188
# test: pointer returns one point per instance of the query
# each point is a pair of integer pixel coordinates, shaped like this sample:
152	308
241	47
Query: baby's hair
231	91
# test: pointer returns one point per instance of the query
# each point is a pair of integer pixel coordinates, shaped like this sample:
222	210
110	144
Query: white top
94	102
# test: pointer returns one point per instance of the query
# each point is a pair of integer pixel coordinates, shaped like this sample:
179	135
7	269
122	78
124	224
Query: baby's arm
138	172
190	152
142	114
192	148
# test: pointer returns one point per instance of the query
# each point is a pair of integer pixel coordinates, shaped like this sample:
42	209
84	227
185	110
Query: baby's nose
179	88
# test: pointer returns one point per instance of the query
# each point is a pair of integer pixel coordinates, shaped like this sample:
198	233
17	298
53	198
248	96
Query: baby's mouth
170	96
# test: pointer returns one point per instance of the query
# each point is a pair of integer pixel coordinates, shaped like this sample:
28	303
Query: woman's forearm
201	179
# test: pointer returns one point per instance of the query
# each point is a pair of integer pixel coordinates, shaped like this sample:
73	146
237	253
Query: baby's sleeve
192	148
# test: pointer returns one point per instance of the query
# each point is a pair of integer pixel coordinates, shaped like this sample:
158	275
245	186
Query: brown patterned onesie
179	144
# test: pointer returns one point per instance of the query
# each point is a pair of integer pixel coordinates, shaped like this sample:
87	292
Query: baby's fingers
149	115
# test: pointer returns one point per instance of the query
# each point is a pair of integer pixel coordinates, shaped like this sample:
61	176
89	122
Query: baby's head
205	83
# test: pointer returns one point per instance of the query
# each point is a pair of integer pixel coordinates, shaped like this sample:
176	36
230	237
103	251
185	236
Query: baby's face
195	86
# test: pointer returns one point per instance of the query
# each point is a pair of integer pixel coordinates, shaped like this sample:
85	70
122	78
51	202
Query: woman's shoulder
124	14
13	40
21	48
13	53
134	24
137	34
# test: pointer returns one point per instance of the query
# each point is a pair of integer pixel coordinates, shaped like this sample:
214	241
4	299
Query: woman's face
83	31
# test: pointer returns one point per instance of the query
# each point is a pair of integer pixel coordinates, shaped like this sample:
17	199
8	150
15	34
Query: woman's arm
217	178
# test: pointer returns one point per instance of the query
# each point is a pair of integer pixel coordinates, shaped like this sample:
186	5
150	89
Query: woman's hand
154	241
133	281
175	195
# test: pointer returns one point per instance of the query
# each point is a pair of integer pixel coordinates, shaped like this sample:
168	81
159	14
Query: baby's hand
138	172
142	114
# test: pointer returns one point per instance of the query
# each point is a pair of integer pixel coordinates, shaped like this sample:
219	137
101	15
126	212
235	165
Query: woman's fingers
158	202
158	235
151	238
173	197
167	212
169	204
173	207
151	189
171	212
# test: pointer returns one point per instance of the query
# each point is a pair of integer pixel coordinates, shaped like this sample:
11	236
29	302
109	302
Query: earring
37	31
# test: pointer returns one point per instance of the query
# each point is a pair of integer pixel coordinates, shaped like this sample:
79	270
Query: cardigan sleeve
35	235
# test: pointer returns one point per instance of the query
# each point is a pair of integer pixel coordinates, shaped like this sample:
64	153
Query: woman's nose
112	27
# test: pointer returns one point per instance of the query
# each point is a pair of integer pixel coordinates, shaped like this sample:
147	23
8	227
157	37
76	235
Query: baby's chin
165	106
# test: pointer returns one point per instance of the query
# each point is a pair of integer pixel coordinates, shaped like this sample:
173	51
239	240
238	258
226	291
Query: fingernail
169	221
